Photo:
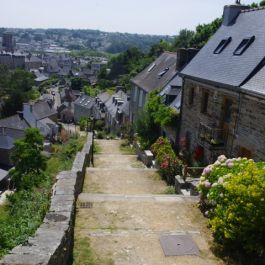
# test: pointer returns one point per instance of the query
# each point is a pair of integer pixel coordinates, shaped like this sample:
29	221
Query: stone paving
127	213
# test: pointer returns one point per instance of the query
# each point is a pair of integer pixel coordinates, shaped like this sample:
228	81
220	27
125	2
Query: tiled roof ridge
253	9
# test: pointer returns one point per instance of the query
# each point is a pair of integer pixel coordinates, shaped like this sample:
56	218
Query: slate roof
257	83
176	103
85	101
149	79
3	174
14	122
173	87
42	109
34	59
104	97
41	78
226	68
6	142
112	108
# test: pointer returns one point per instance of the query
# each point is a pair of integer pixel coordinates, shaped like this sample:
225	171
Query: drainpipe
180	115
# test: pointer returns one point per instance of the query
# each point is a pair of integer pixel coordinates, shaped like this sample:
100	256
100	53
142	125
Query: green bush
232	196
169	164
24	210
101	135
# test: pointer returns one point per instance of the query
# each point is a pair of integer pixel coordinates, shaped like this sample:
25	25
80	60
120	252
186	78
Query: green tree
17	89
161	114
262	3
183	39
28	159
21	80
77	83
204	32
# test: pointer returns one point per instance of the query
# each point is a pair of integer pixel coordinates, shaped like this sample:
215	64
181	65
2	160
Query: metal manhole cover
85	205
178	245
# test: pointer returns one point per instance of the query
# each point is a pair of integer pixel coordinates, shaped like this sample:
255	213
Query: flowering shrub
232	196
167	160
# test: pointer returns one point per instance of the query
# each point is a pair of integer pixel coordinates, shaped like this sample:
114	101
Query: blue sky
165	17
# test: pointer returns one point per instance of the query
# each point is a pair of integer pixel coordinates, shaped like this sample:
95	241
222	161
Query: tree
28	160
77	83
204	32
184	38
17	88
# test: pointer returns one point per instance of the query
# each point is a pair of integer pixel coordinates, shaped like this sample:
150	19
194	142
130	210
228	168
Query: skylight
222	45
163	72
151	67
244	44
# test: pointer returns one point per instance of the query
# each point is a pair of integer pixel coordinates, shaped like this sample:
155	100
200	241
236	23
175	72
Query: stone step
142	232
137	170
94	197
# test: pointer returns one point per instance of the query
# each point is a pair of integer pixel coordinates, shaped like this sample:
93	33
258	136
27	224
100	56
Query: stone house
155	76
11	129
117	112
100	105
83	107
223	103
172	92
42	116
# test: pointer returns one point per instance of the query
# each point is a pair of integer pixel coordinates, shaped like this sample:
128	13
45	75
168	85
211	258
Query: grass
126	148
62	159
84	255
97	148
169	190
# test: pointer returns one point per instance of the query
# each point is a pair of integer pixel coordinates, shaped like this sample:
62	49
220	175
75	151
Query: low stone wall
145	156
52	243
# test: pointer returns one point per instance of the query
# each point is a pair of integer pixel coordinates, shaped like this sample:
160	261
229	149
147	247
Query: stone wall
52	243
246	127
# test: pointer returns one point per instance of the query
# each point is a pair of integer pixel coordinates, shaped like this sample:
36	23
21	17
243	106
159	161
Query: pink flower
207	184
217	163
208	170
230	164
221	158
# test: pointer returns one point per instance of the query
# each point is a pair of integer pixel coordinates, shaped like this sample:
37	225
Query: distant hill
88	39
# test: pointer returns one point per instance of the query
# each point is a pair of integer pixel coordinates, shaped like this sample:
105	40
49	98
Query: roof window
151	67
244	44
163	72
222	45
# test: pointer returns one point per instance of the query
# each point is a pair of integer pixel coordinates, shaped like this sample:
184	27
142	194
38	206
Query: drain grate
86	205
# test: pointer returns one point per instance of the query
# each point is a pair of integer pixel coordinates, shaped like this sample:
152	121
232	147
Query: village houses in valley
223	104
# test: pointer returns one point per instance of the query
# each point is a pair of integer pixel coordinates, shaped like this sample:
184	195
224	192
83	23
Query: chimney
231	12
27	106
184	56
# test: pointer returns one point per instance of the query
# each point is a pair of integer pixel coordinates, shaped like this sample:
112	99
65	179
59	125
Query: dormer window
222	45
244	44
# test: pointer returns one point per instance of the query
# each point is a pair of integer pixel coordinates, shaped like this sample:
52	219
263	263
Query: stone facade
138	99
52	243
222	121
